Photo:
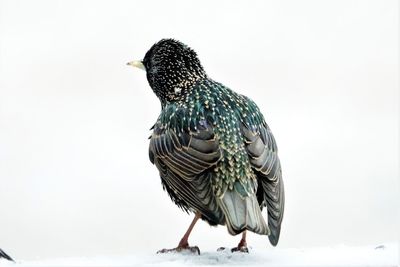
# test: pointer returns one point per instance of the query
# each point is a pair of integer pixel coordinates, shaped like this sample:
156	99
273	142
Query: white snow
379	255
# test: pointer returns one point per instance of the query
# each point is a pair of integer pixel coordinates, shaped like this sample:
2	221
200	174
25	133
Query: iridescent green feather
225	110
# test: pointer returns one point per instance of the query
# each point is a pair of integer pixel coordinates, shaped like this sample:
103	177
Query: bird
4	255
216	156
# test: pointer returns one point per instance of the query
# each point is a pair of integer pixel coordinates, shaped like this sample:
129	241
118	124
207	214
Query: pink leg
242	246
243	242
184	243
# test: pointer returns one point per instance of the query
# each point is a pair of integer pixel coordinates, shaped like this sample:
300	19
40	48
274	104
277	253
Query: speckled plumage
215	153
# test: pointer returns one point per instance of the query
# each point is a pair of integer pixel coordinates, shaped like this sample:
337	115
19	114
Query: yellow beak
137	64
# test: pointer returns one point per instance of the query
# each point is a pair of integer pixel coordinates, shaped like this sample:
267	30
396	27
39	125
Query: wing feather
262	150
184	160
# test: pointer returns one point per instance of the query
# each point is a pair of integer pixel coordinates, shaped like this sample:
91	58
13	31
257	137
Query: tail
5	256
242	213
275	206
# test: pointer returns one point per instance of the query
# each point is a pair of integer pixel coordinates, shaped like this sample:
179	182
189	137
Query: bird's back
238	180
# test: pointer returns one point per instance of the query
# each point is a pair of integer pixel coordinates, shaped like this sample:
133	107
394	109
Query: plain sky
75	178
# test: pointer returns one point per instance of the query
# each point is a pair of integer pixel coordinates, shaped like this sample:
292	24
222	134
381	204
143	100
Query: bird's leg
184	241
184	244
242	246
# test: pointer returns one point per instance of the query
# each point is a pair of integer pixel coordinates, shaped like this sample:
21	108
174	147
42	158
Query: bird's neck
179	90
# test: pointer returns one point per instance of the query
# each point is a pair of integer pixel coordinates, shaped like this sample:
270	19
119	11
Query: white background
75	178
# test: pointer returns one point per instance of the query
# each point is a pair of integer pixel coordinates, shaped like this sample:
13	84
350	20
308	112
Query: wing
185	160
262	151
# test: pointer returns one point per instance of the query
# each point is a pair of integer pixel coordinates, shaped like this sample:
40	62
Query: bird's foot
242	249
179	249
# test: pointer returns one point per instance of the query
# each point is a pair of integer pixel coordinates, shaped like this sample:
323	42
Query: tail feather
275	205
242	213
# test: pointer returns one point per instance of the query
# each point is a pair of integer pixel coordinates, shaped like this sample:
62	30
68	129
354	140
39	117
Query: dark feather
4	255
183	160
262	150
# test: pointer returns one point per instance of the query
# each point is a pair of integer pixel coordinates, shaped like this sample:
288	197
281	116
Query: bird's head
172	69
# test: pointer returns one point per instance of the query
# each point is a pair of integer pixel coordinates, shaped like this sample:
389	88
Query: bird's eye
146	64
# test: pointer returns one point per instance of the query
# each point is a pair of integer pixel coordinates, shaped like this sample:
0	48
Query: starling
214	151
4	255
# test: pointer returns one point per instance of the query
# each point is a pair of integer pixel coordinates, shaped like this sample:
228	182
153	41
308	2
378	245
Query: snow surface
381	255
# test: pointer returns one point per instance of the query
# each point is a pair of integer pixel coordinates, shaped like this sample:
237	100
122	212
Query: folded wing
185	160
262	150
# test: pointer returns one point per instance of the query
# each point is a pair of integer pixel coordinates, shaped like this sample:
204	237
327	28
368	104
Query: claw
191	250
242	249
